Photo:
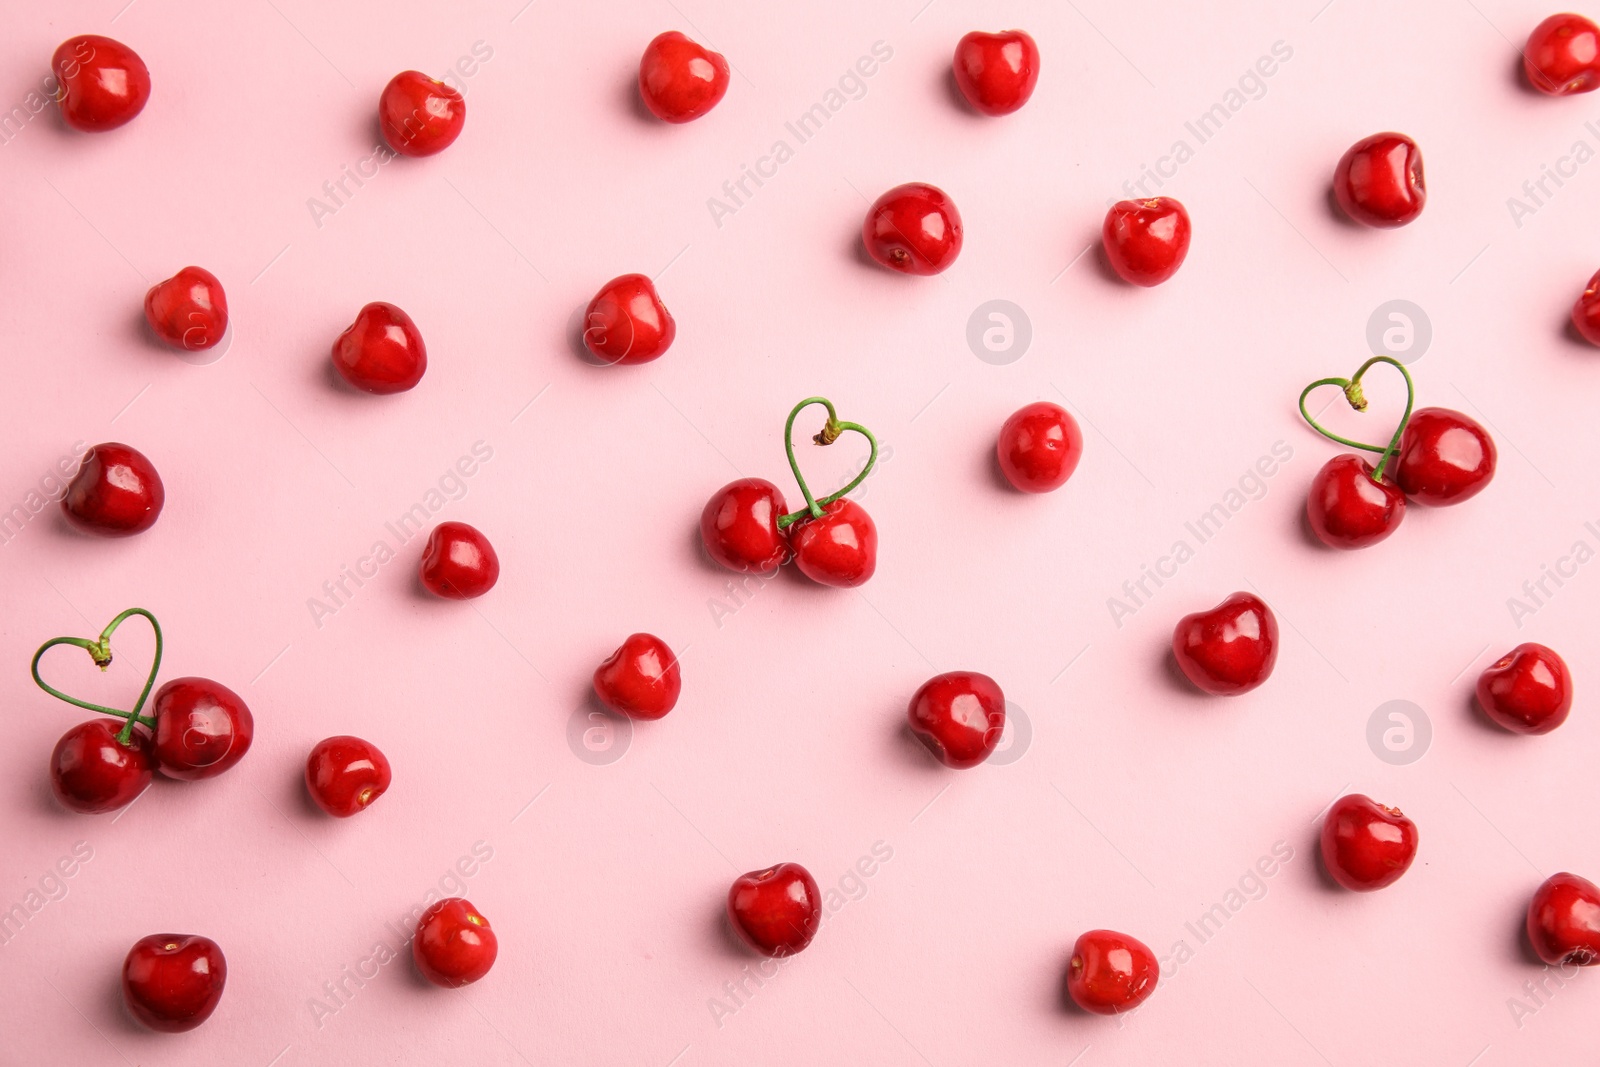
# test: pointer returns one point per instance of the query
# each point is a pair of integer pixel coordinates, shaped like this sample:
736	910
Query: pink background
1137	805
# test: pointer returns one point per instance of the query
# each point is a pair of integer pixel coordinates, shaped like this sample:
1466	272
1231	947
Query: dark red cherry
1562	56
641	679
420	115
739	526
996	72
627	323
1586	311
679	80
959	716
202	728
1365	845
173	982
1111	973
101	83
1349	508
454	945
776	911
1378	182
1528	690
115	493
914	229
92	772
345	774
1230	649
1445	457
840	548
1564	921
382	351
459	563
1146	240
189	310
1039	447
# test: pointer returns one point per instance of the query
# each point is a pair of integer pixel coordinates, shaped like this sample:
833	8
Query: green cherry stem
830	432
1351	387
100	651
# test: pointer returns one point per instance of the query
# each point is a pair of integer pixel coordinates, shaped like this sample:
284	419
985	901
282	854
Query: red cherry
1564	921
627	323
1445	457
103	83
1349	508
1111	973
1586	312
188	310
92	772
115	493
914	229
1378	182
173	982
776	911
840	548
1365	845
996	72
679	80
382	351
1563	56
1231	648
419	115
1039	448
1146	240
739	526
959	716
202	728
1528	690
640	679
459	562
454	945
344	774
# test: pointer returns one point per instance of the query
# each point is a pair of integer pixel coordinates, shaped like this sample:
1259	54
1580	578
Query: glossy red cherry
914	229
454	945
679	80
1528	690
1365	845
840	548
1586	312
419	115
627	323
202	728
1445	457
1564	921
382	351
1378	182
996	72
1146	240
1231	648
1562	56
345	774
92	772
102	83
1348	508
959	716
459	562
1039	447
115	493
1111	973
776	911
189	310
739	526
641	679
173	982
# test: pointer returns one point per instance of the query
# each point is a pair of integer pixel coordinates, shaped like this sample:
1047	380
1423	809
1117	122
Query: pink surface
1137	804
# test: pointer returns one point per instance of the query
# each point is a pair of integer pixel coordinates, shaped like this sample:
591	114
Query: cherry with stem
100	651
1351	504
833	540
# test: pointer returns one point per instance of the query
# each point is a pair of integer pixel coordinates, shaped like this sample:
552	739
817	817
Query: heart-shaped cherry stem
1353	392
830	432
99	650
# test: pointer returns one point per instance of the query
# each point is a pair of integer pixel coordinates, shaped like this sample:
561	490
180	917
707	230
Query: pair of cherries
833	541
197	729
1438	457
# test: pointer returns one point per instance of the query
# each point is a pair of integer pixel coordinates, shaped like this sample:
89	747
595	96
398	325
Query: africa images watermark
1537	592
1542	188
852	85
51	487
51	887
